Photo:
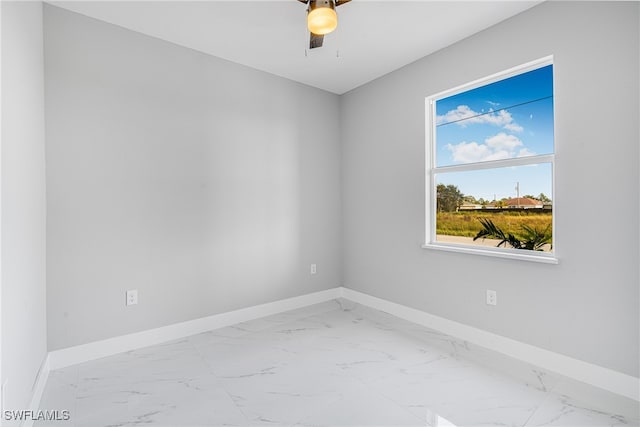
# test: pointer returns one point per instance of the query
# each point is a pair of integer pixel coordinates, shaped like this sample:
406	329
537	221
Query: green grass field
466	224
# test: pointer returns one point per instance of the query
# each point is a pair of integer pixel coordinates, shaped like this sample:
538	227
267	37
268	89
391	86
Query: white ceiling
372	39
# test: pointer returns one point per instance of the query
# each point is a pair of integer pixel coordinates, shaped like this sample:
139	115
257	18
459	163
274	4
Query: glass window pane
516	200
506	119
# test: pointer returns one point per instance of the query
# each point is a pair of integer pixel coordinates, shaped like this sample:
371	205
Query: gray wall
24	340
587	306
201	183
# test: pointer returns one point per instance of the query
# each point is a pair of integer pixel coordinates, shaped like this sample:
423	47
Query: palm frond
532	238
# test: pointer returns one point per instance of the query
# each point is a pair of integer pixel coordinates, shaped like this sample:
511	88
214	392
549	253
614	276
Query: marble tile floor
330	364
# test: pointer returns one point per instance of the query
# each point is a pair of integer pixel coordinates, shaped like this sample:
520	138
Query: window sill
531	256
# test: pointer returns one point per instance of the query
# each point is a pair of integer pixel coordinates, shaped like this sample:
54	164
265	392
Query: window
490	165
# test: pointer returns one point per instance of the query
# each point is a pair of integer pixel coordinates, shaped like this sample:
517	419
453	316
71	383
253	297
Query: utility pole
518	194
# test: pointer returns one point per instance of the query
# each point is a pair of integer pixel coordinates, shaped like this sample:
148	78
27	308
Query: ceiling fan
321	19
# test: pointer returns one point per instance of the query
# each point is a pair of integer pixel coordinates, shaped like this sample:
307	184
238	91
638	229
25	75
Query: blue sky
506	119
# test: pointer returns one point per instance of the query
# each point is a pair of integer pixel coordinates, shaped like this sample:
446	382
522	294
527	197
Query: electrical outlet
313	269
492	297
132	297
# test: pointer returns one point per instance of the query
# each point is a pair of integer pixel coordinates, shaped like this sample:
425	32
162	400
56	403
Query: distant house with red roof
523	203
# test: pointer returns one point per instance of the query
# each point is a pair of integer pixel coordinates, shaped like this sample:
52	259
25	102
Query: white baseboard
38	389
98	349
604	378
588	373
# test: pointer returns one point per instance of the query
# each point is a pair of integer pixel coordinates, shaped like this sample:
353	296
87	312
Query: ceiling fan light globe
322	20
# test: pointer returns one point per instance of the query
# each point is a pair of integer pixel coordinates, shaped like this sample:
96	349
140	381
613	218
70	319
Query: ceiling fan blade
339	2
315	41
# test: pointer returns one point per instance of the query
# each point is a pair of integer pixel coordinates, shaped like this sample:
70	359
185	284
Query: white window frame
431	170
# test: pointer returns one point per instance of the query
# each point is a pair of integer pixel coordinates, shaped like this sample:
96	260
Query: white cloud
469	152
502	141
463	116
497	147
462	112
514	127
